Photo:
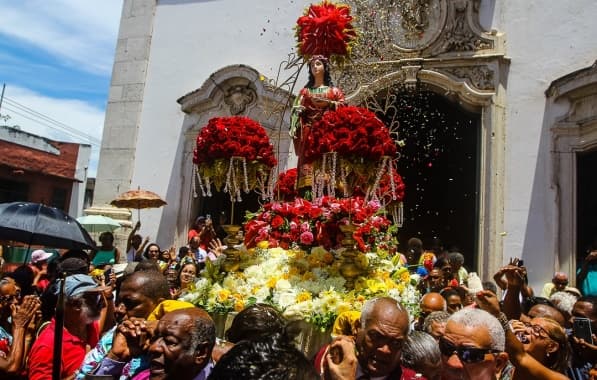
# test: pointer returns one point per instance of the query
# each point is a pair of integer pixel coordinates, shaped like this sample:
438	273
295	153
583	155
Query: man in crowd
559	283
83	304
15	342
140	292
472	346
381	333
584	354
181	346
430	302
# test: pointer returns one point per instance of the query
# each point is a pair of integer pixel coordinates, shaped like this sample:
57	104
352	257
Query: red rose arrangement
300	222
285	187
325	29
234	136
350	132
233	151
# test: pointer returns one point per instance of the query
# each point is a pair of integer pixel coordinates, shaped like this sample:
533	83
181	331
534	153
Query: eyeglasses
466	355
537	330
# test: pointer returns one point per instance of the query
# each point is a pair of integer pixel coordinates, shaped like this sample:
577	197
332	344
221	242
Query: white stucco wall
545	40
192	39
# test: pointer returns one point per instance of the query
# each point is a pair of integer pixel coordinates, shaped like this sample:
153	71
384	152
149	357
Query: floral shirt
94	358
5	342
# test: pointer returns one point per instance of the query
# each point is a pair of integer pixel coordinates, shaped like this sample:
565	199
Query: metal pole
2	95
58	330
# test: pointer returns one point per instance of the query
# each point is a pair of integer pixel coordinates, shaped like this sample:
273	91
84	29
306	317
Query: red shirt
73	352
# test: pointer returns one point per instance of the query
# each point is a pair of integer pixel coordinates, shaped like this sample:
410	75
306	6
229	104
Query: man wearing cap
140	293
39	264
83	303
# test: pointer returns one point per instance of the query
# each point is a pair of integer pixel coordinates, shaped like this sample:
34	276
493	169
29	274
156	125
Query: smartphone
520	263
107	274
582	329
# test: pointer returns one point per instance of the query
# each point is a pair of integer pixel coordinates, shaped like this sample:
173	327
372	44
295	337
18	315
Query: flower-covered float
310	258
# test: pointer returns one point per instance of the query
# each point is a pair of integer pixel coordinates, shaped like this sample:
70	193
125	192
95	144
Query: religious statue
318	96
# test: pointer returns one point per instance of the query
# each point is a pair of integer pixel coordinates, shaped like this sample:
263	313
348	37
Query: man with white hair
472	346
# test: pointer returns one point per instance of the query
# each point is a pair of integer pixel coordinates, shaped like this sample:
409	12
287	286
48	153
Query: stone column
123	111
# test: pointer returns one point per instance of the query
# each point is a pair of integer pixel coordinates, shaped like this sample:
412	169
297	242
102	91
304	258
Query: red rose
277	222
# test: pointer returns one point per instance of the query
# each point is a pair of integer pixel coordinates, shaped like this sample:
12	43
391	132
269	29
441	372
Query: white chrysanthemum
299	310
262	293
283	285
285	298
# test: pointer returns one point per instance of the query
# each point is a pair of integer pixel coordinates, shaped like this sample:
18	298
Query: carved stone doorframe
439	45
572	133
231	90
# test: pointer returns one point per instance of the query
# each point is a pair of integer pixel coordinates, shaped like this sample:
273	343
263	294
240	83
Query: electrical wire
47	121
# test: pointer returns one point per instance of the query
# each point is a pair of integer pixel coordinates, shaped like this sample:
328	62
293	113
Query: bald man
559	283
430	302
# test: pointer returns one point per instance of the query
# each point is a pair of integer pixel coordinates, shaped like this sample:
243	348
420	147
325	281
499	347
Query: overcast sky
56	61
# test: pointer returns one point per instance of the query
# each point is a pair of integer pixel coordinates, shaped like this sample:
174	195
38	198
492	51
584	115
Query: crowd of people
132	326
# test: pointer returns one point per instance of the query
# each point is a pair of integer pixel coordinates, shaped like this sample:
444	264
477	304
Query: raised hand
488	301
216	247
24	313
340	361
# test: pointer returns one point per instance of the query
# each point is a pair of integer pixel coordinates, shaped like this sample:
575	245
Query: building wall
190	40
545	40
53	171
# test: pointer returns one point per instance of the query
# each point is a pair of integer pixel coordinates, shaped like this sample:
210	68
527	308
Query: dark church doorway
219	207
586	205
439	164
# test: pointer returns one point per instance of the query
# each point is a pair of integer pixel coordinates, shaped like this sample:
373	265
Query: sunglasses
466	355
10	298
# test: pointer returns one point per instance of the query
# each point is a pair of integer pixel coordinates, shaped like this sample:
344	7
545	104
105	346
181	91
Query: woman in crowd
186	277
421	353
107	253
152	252
542	351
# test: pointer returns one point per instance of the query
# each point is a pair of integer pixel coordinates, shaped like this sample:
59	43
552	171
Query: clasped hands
131	339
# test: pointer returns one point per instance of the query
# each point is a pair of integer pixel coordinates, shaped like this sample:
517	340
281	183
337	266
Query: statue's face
317	67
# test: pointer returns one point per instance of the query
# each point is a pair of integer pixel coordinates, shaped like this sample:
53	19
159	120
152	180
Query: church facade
514	82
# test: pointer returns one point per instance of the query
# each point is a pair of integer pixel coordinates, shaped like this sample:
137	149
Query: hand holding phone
582	329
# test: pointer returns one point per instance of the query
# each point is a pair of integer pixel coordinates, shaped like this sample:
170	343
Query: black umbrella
36	224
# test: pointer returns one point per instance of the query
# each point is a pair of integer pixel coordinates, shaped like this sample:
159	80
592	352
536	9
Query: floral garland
306	224
325	29
350	132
